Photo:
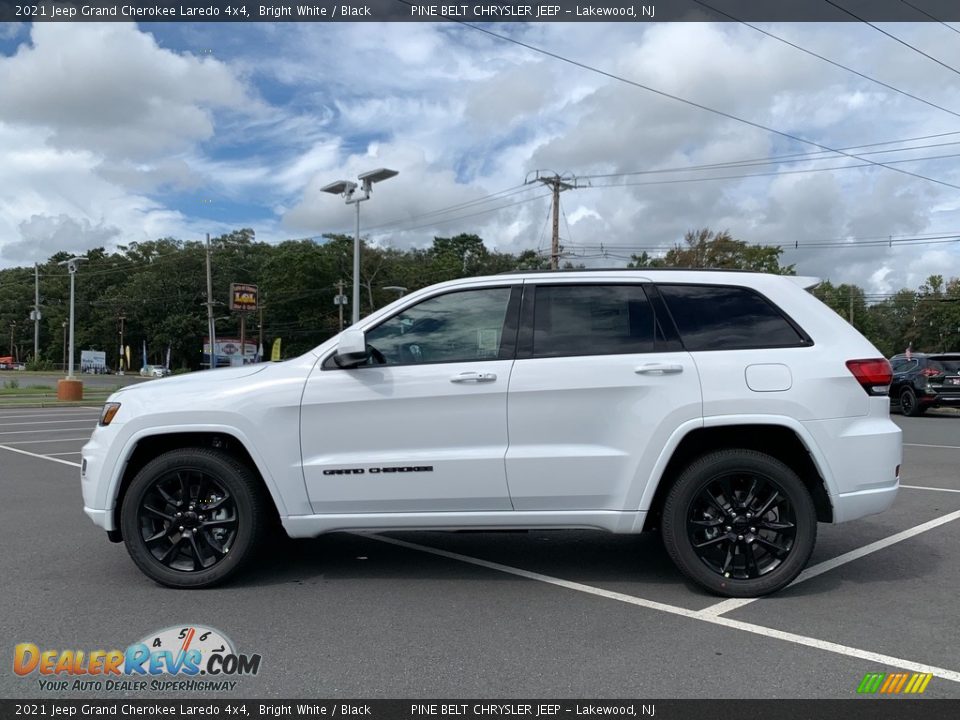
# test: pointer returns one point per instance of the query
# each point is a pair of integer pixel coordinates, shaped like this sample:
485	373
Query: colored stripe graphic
894	683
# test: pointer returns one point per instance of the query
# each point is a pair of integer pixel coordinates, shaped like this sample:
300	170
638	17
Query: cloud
43	235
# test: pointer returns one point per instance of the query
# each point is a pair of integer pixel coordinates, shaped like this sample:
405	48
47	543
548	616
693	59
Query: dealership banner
539	709
229	347
503	11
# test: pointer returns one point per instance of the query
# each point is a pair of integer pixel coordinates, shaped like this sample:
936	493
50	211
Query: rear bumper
863	456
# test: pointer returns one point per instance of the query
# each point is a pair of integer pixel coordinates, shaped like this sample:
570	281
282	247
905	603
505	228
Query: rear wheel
739	523
192	517
908	403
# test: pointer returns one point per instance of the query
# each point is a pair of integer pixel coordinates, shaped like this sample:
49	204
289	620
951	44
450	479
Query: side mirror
351	349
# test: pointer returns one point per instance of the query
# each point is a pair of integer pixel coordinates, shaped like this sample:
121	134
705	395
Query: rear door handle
473	377
659	369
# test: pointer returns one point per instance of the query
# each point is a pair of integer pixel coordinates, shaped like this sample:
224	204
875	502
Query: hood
198	378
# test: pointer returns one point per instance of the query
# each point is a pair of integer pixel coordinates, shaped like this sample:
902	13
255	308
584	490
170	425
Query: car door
599	386
422	425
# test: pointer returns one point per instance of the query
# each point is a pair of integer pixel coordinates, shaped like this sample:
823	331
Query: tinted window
591	320
903	365
714	317
456	327
945	365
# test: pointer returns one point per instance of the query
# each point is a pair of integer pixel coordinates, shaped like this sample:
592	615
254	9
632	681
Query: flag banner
275	352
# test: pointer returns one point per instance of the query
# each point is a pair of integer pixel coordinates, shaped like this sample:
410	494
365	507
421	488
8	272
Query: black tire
711	529
220	503
909	405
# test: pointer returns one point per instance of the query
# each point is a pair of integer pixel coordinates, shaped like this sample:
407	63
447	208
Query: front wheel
192	517
739	523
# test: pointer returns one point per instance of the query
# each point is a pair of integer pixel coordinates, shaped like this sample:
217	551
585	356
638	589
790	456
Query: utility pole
13	328
211	324
557	184
260	344
121	318
36	312
851	305
340	300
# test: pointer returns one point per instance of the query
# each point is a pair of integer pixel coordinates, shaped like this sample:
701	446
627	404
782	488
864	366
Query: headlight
108	413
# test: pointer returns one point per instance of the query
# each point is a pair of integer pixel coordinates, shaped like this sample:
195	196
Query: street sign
340	300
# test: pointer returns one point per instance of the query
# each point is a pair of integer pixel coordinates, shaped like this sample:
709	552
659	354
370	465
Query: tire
221	504
909	406
716	501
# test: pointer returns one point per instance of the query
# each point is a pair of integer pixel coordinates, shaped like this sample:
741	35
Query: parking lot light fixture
348	190
73	265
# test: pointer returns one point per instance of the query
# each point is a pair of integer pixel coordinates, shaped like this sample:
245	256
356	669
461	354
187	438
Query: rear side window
945	365
719	317
592	320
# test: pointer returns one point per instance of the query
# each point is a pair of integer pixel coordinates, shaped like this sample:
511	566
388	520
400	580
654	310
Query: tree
705	248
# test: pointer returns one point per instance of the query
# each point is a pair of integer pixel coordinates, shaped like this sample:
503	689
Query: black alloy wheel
192	517
908	403
740	523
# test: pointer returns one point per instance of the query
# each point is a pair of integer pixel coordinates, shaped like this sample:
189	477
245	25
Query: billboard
93	361
243	298
228	351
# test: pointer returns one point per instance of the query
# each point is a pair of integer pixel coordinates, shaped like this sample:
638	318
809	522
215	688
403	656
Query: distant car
154	371
922	381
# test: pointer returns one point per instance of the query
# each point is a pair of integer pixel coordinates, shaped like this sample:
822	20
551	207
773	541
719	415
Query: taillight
929	372
873	375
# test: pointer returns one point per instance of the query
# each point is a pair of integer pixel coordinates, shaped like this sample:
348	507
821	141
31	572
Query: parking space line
75	452
56	422
51	414
814	570
42	457
34	432
36	442
923	487
948	447
761	630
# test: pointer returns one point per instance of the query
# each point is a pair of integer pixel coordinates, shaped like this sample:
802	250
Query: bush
11	384
40	364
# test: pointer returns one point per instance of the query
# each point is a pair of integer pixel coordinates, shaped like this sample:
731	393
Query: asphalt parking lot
541	614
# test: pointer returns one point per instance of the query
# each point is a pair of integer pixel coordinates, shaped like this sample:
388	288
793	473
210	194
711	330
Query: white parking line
825	645
52	414
42	457
75	452
811	572
55	440
34	432
56	422
922	487
947	447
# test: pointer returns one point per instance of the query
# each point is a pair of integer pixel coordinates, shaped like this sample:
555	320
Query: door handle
659	369
473	377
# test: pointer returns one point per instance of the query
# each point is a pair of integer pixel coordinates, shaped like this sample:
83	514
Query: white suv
730	410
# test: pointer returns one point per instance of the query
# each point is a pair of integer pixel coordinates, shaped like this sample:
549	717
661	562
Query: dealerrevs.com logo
181	658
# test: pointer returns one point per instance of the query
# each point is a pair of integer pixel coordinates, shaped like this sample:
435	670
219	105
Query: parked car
154	371
731	411
922	381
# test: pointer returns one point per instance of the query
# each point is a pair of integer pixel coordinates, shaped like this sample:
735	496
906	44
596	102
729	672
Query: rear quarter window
722	317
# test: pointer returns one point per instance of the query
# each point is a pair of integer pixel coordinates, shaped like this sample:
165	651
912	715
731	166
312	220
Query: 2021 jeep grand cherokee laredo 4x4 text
733	411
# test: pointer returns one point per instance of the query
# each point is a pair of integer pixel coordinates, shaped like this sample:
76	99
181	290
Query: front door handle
473	377
659	369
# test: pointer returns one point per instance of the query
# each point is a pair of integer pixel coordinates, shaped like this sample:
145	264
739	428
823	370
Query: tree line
159	288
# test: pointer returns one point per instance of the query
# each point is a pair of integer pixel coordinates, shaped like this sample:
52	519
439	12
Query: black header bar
474	11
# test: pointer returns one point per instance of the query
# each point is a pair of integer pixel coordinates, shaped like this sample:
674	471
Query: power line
892	36
828	60
924	12
691	103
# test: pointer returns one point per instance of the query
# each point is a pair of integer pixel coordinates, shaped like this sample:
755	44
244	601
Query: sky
113	133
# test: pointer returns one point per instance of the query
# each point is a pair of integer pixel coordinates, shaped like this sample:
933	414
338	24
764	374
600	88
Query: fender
131	442
686	428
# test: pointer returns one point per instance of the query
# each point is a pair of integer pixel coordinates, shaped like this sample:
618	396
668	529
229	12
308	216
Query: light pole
64	344
72	265
348	190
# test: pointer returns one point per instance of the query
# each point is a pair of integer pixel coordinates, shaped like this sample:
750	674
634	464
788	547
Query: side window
591	320
719	317
903	365
456	327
